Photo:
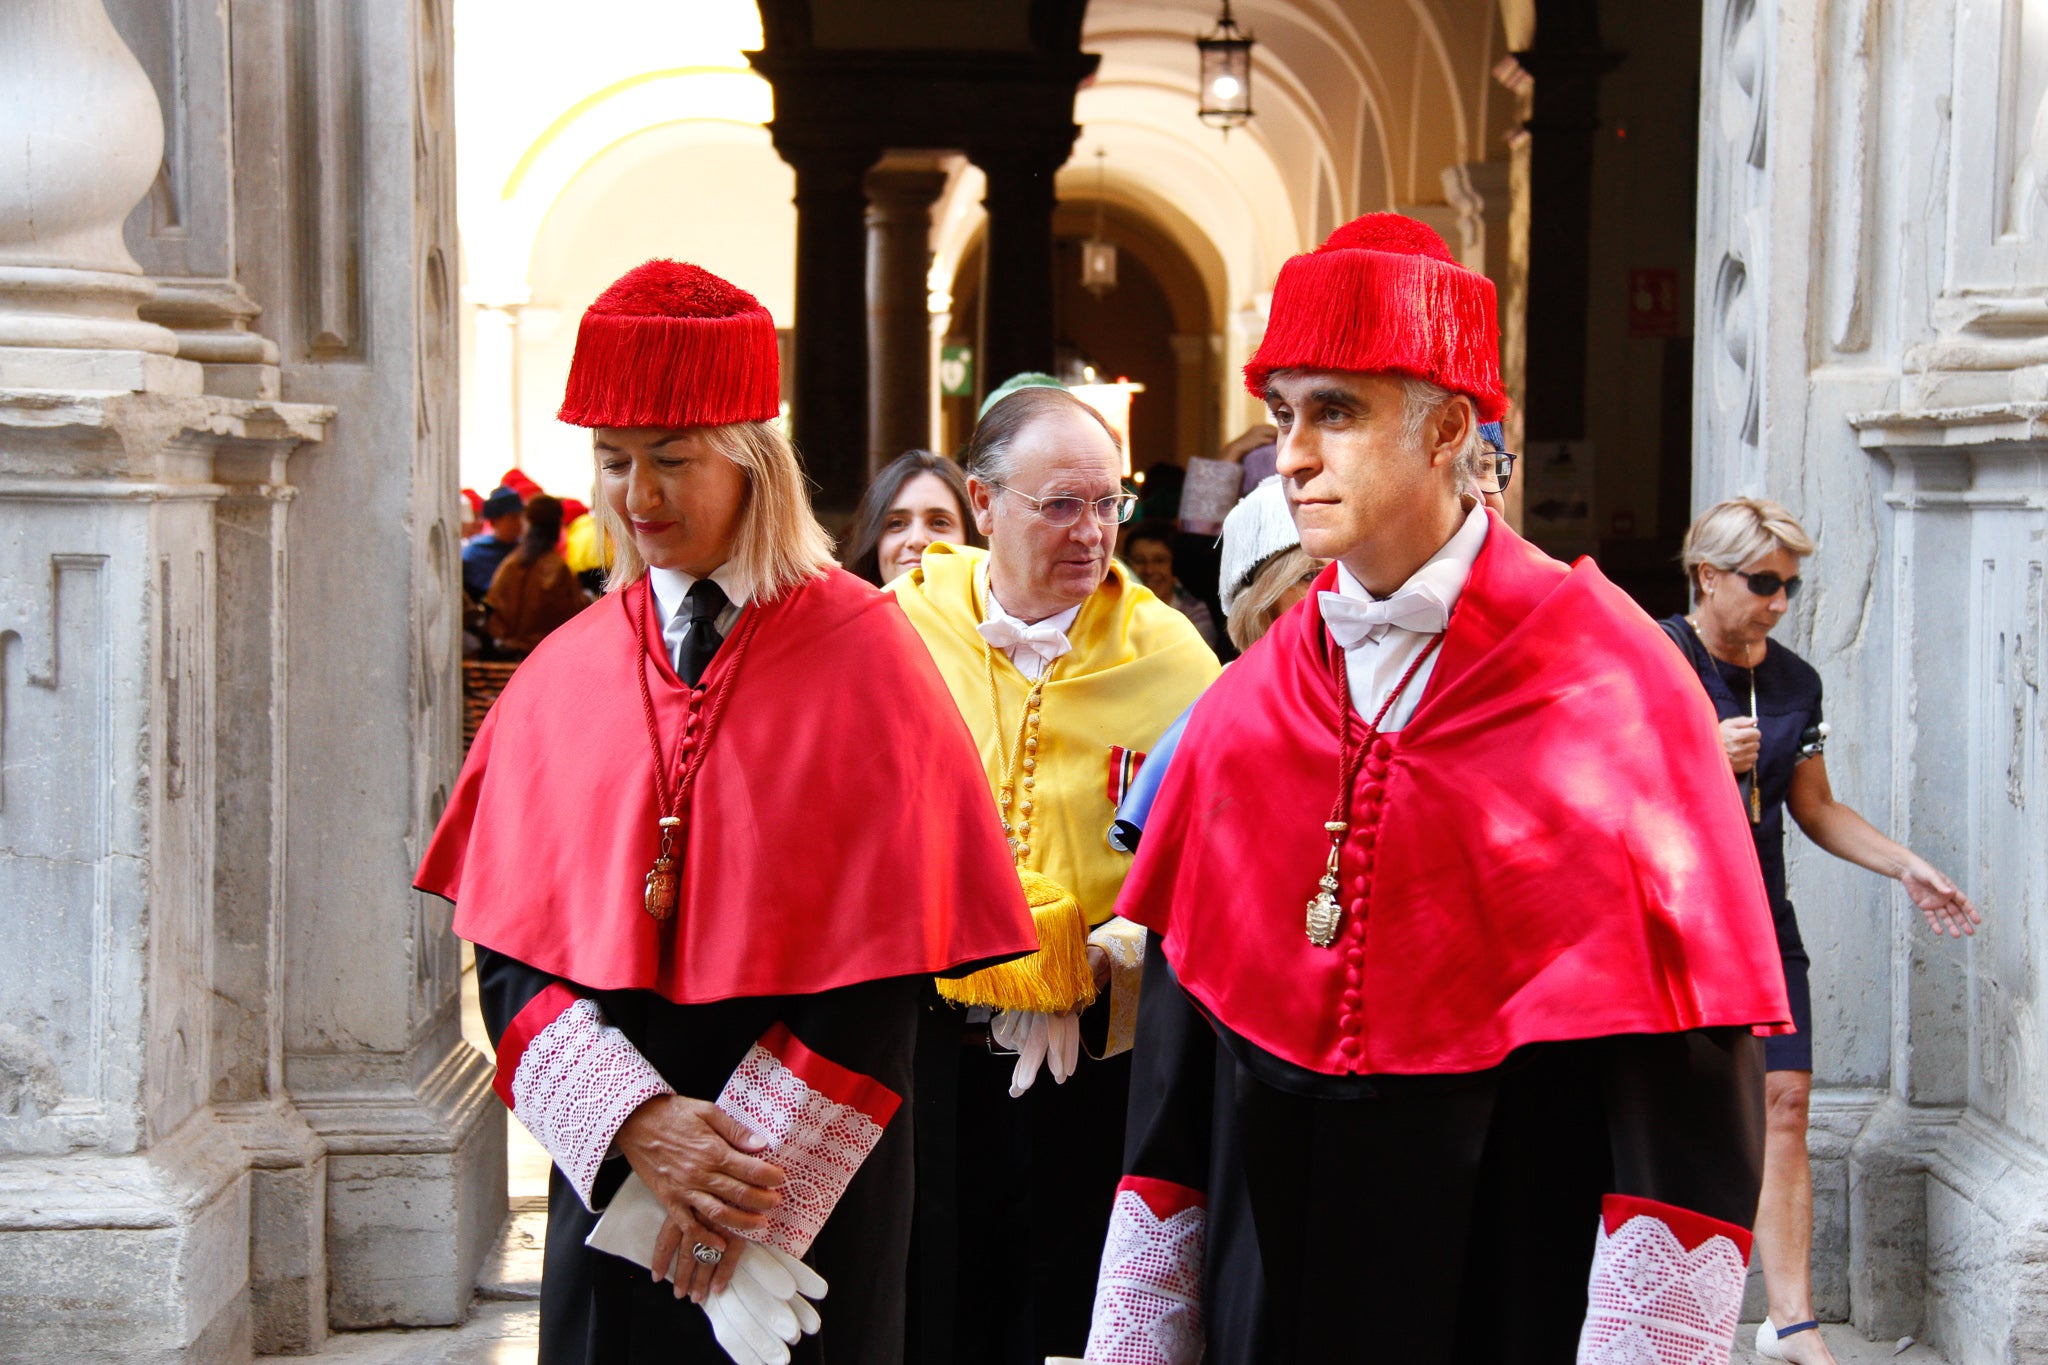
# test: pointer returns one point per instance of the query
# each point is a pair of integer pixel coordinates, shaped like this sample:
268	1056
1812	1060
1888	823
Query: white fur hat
1259	527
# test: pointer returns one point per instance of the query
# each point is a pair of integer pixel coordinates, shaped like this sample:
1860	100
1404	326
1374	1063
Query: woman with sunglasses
1742	559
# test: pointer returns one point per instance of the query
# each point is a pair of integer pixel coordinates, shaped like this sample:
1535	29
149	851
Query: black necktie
706	600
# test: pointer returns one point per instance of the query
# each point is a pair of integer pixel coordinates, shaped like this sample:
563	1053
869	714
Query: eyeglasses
1502	469
1767	584
1065	510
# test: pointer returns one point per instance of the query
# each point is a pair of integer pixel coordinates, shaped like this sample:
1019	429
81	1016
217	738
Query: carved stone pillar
829	407
183	233
356	264
1016	291
125	1195
68	286
899	329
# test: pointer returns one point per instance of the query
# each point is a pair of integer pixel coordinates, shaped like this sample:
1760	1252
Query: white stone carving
66	82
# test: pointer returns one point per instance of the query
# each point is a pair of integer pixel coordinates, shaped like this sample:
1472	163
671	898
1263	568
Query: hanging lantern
1098	257
1226	74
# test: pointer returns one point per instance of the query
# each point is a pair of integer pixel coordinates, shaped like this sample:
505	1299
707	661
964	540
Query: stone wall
235	1106
1873	245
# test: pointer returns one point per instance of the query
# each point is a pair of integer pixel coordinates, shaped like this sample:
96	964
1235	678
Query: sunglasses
1113	510
1767	584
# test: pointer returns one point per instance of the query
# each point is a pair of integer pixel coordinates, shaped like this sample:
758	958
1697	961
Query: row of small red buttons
1364	835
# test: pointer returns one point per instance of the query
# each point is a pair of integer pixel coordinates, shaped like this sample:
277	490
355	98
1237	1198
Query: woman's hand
1947	909
696	1159
1740	740
1098	966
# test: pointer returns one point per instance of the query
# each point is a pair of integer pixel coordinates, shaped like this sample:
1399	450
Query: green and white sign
956	371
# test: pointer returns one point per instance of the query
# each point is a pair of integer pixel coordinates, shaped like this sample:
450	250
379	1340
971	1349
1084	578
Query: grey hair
1421	401
1740	531
989	449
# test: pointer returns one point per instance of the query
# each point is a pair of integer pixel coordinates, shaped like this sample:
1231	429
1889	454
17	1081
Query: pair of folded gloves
766	1308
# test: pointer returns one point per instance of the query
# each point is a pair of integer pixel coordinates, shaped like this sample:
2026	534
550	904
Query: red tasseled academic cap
673	345
1384	295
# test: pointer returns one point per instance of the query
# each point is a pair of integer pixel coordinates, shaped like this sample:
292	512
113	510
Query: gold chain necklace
1020	752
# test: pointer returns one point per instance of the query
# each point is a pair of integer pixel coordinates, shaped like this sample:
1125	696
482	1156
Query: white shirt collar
672	588
1444	572
1038	643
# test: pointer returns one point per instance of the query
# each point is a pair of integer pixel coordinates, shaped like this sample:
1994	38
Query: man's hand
696	1159
1740	740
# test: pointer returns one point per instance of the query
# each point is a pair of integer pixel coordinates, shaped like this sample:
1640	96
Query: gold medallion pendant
663	886
1323	914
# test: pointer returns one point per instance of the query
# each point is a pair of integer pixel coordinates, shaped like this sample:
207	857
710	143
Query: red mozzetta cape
840	829
1550	849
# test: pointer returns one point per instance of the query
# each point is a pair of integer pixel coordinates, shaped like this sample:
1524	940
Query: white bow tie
1352	622
1044	640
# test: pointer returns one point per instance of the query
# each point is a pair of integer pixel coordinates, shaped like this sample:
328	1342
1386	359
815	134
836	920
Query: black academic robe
1013	1195
1455	1213
598	1309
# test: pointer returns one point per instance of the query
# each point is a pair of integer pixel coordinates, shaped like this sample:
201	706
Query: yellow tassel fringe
1052	980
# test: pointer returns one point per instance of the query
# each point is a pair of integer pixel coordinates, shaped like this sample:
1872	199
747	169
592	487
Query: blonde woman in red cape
1458	940
707	843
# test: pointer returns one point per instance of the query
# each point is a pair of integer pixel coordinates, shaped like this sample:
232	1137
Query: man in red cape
708	843
1459	938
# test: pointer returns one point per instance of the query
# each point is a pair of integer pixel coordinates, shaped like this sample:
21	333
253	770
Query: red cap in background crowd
1384	296
673	345
518	482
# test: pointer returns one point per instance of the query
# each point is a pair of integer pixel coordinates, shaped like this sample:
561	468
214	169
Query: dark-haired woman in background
533	591
917	500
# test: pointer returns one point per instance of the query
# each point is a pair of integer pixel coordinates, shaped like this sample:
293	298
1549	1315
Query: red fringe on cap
1408	310
673	372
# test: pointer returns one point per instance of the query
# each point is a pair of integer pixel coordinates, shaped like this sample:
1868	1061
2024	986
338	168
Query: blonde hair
1731	534
779	544
1258	606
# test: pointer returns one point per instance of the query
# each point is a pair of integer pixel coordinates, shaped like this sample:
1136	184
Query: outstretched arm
1837	828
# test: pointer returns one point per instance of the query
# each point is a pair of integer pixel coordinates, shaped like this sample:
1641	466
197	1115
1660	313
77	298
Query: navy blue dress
1788	705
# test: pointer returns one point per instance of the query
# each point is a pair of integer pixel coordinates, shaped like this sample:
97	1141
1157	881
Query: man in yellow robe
1066	670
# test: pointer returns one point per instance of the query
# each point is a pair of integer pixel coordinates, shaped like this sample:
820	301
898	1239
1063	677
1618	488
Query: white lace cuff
575	1081
821	1121
1125	944
1148	1297
1666	1287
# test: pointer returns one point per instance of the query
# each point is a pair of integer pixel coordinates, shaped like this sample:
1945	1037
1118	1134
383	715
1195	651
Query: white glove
759	1315
1051	1039
766	1308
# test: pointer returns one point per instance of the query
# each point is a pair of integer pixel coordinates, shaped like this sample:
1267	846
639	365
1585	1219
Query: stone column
899	222
356	262
1193	418
829	408
1016	291
125	1200
1567	64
